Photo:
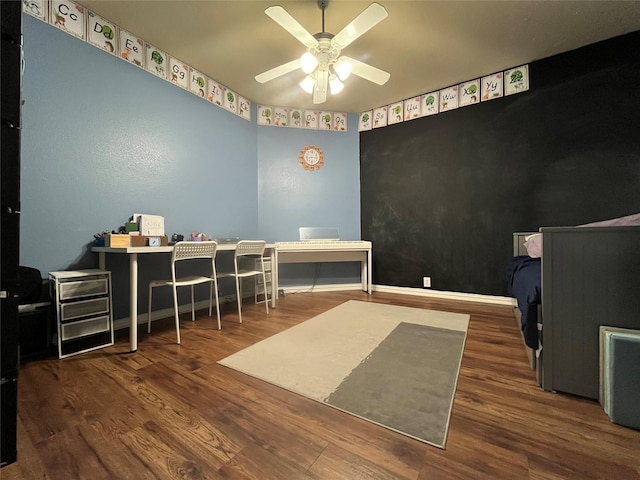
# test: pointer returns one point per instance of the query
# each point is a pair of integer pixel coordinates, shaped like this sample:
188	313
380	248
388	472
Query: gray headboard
518	243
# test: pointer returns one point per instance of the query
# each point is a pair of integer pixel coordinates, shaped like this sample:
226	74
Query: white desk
338	251
133	277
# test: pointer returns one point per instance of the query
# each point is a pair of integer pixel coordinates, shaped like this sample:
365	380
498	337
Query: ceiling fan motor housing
325	52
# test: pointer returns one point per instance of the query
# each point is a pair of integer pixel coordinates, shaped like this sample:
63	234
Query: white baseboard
421	292
336	287
466	297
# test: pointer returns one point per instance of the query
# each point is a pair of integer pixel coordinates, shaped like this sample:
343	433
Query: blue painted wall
103	139
290	197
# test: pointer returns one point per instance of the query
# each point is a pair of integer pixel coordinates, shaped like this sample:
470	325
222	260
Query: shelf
83	310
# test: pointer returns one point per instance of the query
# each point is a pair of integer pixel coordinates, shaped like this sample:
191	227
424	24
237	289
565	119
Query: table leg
133	301
275	272
369	271
102	261
274	277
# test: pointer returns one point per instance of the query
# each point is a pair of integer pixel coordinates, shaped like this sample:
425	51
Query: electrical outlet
426	282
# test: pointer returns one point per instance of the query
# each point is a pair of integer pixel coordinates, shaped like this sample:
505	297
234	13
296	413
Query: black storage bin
34	326
34	315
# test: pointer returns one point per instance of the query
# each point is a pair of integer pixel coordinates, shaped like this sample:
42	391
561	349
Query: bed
524	283
584	277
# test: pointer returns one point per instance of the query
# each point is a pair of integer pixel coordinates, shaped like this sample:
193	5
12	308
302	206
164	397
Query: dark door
10	104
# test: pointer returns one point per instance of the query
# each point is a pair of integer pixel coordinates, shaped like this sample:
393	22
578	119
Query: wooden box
115	240
164	240
139	241
143	240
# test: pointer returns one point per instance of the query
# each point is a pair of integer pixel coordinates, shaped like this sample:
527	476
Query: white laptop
319	234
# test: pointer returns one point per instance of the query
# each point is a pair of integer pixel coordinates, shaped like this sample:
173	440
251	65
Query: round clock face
311	157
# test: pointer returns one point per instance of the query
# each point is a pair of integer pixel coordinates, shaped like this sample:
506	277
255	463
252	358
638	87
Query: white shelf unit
83	310
263	292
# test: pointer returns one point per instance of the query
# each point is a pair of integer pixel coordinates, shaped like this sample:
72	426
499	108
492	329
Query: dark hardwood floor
169	411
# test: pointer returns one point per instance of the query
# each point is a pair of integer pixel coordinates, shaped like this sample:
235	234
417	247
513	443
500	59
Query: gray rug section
407	383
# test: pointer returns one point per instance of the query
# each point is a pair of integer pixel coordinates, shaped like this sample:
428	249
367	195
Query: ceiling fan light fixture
322	64
308	83
343	68
308	62
335	85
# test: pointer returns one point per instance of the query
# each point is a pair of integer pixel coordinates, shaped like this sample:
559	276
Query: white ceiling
425	45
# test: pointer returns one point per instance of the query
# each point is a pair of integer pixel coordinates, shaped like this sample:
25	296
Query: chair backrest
191	250
187	250
250	247
30	285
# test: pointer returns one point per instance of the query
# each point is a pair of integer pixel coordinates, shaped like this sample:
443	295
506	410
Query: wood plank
340	464
257	463
164	456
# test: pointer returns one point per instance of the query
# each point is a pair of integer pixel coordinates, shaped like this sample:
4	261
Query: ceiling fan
326	69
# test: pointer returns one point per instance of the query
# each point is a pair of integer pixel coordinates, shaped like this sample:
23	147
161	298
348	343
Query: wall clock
311	157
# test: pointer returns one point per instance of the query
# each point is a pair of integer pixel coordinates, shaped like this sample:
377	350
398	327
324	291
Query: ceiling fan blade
368	72
278	71
291	25
369	18
320	88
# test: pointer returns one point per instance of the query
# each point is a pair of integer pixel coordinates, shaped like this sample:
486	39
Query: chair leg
149	310
193	306
214	284
239	296
175	309
266	295
210	297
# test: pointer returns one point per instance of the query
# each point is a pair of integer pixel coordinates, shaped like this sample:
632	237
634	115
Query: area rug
391	365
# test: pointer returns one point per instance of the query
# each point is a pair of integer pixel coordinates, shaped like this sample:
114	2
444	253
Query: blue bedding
524	280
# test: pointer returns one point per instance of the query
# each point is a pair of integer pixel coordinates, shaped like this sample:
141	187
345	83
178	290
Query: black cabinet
8	404
10	181
10	107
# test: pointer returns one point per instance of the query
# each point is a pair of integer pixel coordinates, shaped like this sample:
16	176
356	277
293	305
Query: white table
309	251
133	277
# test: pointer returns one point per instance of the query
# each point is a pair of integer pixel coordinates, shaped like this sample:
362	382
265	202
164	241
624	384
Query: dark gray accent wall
441	195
